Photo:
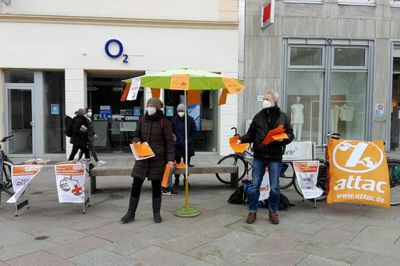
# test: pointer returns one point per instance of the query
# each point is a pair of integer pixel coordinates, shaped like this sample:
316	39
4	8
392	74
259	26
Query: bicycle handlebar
333	135
6	138
234	128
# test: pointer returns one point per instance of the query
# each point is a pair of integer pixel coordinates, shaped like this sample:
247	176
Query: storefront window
19	77
304	102
349	57
305	56
54	112
348	104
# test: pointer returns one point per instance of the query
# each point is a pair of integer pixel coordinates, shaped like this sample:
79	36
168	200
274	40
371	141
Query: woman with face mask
91	138
269	155
178	125
156	130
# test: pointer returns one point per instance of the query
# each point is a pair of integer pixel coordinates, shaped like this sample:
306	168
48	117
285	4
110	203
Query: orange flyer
141	151
166	175
239	148
275	134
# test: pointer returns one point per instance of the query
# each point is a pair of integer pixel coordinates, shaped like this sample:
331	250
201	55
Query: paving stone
39	258
329	251
62	234
333	236
260	227
100	257
160	256
13	236
375	260
23	248
76	247
341	224
207	230
184	242
312	260
282	258
134	243
160	231
111	232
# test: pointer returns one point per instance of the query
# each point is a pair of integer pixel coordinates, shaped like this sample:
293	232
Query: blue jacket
178	125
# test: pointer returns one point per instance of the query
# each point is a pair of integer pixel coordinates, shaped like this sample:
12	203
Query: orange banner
179	82
233	85
125	93
70	169
358	173
222	97
194	97
155	92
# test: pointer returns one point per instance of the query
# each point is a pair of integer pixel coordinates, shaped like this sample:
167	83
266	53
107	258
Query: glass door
20	119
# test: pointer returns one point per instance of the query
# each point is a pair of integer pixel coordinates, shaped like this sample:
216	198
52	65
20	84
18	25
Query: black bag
238	197
68	122
284	203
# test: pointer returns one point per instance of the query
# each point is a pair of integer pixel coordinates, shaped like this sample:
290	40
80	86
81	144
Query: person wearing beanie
79	135
156	130
178	125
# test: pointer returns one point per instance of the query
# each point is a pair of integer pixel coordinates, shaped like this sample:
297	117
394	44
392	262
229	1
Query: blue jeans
258	173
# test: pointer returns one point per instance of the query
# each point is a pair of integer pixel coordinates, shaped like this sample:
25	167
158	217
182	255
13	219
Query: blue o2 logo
118	53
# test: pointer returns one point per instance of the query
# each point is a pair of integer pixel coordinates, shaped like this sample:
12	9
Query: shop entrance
204	114
114	121
395	107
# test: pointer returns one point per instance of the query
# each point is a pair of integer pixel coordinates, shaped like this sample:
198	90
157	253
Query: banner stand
22	201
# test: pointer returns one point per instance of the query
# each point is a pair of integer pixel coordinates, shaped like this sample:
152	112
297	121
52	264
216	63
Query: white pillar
75	94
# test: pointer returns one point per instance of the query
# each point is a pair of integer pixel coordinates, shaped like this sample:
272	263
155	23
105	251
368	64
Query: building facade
58	56
335	64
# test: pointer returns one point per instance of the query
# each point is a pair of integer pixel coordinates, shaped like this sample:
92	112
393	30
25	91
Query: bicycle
244	161
5	172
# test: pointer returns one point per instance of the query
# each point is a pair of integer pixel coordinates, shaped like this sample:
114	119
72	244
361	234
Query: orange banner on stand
358	173
179	82
222	97
155	92
233	85
125	93
194	97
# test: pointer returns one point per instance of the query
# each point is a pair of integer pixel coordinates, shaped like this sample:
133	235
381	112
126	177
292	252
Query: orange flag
232	85
194	97
155	93
222	97
125	93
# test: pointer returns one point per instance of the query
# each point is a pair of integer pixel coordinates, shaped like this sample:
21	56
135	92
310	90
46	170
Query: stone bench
126	171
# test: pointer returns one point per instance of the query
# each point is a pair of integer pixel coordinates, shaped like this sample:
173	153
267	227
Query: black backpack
68	121
239	196
284	203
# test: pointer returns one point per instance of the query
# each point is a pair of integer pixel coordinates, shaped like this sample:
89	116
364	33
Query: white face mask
181	114
89	114
151	110
266	104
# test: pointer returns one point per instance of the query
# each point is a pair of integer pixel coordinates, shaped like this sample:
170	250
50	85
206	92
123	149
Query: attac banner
358	173
70	180
22	176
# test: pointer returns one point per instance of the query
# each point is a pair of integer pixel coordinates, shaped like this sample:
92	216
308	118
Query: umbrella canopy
198	79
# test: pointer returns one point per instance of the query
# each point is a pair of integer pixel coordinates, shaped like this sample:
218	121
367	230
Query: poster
194	112
307	176
55	109
133	90
359	173
136	111
169	110
70	182
21	177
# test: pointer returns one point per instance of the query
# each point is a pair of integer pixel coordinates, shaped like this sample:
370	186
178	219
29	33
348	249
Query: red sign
267	14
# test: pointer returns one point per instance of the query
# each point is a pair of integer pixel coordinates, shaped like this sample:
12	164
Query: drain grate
41	237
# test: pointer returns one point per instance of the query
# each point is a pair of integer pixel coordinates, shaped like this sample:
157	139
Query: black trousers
137	187
90	146
75	149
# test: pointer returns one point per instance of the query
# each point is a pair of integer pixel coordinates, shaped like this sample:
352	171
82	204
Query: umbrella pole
186	211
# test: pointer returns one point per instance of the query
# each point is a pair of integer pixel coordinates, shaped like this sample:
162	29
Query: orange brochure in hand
141	151
239	148
275	134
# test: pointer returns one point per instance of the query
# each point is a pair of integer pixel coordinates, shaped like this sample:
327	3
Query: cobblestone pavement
340	234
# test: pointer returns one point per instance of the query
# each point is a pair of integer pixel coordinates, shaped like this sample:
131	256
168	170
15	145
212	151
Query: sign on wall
267	14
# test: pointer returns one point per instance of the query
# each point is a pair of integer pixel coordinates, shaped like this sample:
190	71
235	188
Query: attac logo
357	157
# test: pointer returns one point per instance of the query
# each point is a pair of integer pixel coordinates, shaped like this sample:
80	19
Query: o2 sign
118	53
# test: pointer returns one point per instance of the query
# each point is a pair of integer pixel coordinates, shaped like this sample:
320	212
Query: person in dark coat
269	155
79	135
178	125
156	130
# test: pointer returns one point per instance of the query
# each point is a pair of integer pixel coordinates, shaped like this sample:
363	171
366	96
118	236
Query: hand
171	163
238	141
280	140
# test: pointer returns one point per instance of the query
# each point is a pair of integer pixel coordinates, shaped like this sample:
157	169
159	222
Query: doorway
395	106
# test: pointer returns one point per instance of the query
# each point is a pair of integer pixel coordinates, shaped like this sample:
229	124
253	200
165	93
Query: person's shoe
130	215
251	218
100	162
156	210
273	217
168	192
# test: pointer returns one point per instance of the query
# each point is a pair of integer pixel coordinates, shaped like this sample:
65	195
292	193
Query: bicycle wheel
321	183
394	178
232	159
287	175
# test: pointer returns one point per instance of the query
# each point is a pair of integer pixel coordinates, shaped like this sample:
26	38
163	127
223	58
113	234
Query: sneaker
100	162
168	192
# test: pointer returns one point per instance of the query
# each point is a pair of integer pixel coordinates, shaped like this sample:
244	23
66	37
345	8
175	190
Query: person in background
79	137
269	155
156	130
91	138
178	125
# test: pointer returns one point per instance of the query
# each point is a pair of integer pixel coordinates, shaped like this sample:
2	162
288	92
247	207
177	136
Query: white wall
212	10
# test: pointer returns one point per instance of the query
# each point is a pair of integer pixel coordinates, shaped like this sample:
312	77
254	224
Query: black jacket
178	125
79	136
263	121
158	134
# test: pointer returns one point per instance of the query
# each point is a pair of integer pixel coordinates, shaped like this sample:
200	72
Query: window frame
314	67
357	2
334	67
